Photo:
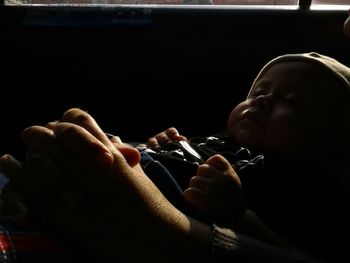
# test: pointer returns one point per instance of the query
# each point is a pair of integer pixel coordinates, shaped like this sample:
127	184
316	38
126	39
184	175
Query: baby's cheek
233	120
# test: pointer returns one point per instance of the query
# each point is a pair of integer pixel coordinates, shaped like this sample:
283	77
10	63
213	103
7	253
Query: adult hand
92	193
13	208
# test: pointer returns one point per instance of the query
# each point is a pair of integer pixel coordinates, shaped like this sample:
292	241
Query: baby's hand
215	191
162	138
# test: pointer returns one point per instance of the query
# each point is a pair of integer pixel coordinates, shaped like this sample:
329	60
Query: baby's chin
260	145
249	140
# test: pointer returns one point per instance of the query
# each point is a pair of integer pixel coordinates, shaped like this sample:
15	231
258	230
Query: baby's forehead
311	68
291	69
288	75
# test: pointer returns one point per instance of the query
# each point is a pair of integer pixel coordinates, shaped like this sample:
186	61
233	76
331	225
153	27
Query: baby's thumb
219	162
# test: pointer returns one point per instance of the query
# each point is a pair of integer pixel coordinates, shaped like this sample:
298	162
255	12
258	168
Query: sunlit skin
288	107
107	159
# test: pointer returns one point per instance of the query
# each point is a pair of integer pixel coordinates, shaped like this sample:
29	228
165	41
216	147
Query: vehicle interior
141	67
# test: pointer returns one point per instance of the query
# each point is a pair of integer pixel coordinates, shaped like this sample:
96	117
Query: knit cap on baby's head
339	70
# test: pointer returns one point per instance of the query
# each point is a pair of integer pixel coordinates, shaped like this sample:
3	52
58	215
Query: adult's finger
50	182
14	170
39	138
74	150
13	205
85	120
130	153
73	144
82	143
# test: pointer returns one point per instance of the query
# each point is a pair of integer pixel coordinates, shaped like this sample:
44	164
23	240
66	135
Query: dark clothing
182	162
291	195
172	166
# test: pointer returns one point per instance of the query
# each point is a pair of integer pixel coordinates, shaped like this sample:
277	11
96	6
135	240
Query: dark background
141	70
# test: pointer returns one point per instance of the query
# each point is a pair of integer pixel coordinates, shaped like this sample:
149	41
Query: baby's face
287	107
